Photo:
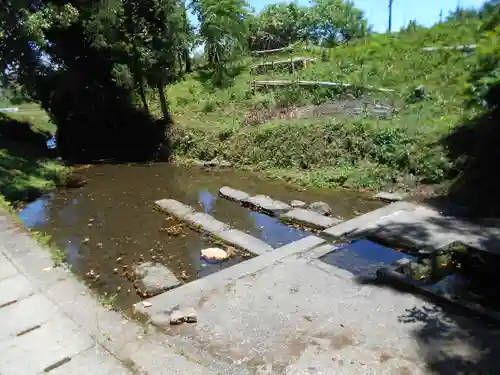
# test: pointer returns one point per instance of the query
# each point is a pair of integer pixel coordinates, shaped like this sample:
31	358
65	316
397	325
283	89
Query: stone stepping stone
389	197
268	205
206	223
244	241
233	194
309	218
175	208
154	278
298	204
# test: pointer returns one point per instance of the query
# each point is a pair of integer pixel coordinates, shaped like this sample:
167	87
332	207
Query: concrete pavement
51	323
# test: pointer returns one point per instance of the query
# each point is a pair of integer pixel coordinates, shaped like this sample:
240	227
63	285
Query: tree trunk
187	60
163	103
142	94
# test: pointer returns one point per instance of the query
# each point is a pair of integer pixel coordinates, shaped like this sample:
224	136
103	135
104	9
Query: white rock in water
214	253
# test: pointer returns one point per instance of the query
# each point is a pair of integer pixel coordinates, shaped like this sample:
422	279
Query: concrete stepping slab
206	222
175	208
309	218
217	229
244	241
268	205
233	194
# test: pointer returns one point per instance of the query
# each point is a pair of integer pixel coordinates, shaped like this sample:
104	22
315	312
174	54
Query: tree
87	61
331	22
148	40
224	32
277	26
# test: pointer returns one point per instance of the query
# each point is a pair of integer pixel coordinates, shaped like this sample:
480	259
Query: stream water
110	224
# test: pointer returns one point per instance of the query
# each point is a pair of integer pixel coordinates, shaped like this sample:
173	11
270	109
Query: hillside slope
360	151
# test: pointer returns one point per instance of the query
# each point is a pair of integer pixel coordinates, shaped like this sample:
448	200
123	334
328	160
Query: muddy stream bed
110	224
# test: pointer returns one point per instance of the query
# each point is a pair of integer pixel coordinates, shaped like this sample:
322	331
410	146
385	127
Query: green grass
26	170
354	153
30	113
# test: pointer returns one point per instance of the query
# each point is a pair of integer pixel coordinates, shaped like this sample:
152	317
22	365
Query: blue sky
426	12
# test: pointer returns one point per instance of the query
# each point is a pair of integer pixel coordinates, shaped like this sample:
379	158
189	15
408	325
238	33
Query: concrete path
293	311
51	323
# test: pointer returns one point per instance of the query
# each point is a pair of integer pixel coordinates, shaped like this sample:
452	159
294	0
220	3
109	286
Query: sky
425	12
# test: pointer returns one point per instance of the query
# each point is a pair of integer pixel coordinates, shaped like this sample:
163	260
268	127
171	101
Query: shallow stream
110	224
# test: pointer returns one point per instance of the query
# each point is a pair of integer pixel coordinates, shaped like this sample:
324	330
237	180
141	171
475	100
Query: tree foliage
223	30
325	22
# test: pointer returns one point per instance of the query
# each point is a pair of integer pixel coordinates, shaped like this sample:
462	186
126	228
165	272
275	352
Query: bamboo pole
281	83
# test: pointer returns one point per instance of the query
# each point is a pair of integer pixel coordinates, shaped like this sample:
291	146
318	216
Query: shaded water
363	257
110	224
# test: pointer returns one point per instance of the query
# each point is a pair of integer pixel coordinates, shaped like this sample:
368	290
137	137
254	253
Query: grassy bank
255	130
27	170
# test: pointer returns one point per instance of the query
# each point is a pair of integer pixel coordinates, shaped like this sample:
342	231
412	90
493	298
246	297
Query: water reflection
207	200
68	214
363	258
273	231
37	213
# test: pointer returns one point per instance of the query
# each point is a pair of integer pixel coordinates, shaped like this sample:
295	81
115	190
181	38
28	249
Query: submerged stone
269	205
321	208
233	194
309	218
154	278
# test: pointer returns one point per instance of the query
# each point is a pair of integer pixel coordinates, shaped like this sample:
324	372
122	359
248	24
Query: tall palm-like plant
223	31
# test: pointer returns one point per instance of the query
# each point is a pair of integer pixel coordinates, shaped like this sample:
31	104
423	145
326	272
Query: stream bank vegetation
134	86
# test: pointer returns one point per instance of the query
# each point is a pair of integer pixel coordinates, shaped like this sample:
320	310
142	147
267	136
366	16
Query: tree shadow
26	170
473	147
96	119
207	77
450	338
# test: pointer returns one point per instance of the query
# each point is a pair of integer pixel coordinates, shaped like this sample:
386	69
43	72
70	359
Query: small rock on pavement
186	315
321	208
389	197
298	204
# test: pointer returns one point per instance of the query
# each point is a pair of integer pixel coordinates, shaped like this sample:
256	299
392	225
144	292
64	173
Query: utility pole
441	16
389	29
